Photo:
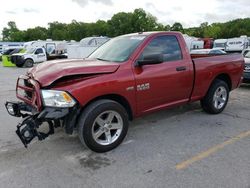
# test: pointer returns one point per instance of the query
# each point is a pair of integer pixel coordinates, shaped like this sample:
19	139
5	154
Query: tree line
122	23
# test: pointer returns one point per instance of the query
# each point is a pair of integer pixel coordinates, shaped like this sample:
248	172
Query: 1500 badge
142	87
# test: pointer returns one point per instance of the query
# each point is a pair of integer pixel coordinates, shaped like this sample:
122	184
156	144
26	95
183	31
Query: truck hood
19	54
48	72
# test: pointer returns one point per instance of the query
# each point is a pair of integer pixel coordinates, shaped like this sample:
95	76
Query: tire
216	98
103	125
28	63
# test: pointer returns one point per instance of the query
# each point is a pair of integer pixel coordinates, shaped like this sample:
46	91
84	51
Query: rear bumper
27	130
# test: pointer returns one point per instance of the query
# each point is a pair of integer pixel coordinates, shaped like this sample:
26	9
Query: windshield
30	50
117	49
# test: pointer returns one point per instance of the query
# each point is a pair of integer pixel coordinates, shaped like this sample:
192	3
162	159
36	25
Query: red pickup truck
127	77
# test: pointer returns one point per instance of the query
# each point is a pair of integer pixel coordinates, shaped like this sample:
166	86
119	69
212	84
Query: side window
92	42
166	45
39	51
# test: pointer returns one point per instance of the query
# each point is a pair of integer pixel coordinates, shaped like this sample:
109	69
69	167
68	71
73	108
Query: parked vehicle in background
198	44
193	42
39	51
245	51
220	44
127	77
206	52
54	49
4	46
85	47
237	44
208	42
29	57
246	74
213	51
9	46
6	57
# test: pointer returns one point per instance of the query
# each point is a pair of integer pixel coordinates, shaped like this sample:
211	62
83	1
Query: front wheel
20	65
216	98
103	125
28	63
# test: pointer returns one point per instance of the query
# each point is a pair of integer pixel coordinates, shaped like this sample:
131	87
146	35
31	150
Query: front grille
13	59
16	59
28	90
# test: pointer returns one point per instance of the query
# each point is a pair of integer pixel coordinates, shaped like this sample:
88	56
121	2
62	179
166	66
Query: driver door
40	55
167	83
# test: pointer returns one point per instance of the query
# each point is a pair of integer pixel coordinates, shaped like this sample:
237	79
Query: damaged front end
41	107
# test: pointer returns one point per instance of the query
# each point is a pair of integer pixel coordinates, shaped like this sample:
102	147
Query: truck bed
207	67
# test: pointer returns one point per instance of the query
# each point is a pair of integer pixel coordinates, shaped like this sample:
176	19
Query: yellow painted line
210	151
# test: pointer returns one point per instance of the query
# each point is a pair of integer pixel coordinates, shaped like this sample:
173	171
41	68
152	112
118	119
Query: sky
32	13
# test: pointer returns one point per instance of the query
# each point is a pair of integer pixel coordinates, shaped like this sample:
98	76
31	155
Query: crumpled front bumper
27	130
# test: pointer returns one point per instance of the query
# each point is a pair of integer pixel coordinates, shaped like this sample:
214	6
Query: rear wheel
28	63
216	98
103	125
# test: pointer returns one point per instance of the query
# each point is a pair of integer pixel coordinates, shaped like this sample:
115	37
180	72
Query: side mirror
150	60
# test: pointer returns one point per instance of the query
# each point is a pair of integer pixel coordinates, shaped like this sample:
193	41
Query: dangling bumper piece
27	130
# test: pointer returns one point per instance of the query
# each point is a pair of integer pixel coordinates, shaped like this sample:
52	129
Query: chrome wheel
107	127
220	97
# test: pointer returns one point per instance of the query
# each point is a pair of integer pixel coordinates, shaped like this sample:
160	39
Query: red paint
168	87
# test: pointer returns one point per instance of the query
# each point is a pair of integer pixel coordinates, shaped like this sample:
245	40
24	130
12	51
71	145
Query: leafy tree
177	27
57	31
138	21
35	34
9	30
76	30
166	28
213	31
142	21
100	28
122	23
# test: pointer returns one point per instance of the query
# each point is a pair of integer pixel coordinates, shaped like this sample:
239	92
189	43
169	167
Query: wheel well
29	59
225	78
119	99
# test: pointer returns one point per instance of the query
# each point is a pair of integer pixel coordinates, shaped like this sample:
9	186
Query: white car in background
220	44
85	47
237	44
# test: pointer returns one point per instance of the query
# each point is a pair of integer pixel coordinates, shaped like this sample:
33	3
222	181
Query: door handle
182	68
